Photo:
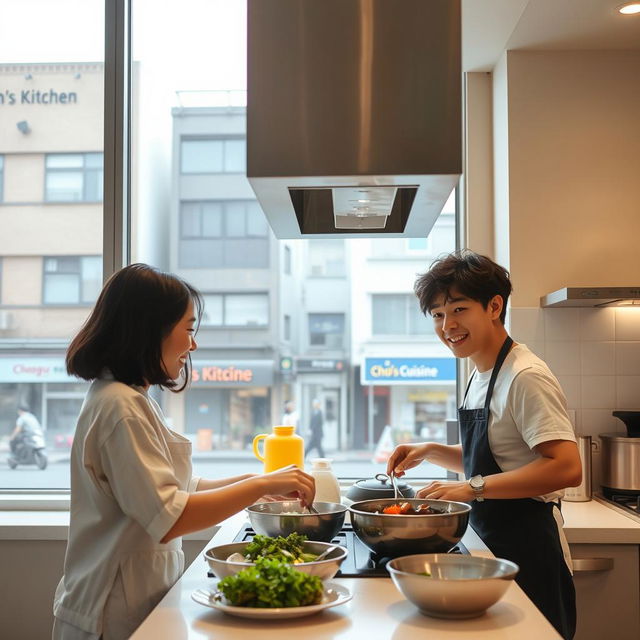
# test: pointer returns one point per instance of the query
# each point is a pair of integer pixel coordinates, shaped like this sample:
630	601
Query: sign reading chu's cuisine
407	370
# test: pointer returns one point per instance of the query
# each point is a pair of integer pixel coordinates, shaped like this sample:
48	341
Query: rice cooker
620	455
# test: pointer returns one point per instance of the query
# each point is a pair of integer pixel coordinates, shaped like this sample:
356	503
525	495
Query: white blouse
130	481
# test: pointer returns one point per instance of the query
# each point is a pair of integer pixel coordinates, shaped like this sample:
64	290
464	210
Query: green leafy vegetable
270	584
289	549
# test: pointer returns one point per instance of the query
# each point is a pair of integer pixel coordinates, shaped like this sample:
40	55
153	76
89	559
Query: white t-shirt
130	481
527	408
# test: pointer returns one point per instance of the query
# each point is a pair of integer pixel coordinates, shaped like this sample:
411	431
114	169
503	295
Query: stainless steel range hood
593	297
353	114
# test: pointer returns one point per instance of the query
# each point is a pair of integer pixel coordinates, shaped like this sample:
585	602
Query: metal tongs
394	483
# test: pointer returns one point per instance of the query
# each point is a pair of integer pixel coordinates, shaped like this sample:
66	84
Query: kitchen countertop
377	610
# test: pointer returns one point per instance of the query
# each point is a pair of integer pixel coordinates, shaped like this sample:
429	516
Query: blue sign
407	370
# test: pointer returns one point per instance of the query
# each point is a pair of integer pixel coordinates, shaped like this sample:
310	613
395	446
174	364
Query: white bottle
327	487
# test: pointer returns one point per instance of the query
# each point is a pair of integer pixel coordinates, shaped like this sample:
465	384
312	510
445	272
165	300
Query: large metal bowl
285	517
391	535
325	569
459	586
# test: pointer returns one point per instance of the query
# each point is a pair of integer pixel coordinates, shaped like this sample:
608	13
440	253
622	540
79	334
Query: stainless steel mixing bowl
400	535
459	586
283	518
325	569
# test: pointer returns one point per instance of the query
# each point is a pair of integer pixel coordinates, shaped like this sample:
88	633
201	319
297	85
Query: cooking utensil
284	517
582	493
377	488
457	586
324	567
397	535
394	482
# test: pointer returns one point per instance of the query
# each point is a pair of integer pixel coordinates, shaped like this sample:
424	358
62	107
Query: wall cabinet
607	579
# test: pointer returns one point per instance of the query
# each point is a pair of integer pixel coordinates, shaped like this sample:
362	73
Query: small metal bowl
391	535
285	517
459	586
325	569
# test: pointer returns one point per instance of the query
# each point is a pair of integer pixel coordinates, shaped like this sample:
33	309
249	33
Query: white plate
334	595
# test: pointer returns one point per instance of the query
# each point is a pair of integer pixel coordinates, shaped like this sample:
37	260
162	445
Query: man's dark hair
24	407
474	276
137	308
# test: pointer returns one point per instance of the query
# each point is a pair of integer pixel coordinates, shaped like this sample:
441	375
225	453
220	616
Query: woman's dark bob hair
137	308
470	274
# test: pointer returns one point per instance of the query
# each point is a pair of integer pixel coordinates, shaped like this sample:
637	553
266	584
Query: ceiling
490	27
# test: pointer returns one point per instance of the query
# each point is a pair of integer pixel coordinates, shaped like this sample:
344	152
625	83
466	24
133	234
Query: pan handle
583	565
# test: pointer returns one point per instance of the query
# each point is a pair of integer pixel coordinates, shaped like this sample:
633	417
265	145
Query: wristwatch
477	485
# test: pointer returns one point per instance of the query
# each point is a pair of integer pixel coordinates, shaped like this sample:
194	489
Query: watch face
477	482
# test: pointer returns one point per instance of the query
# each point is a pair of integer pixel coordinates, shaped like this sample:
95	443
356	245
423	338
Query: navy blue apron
521	530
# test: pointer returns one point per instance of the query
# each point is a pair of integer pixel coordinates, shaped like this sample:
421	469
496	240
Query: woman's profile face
177	345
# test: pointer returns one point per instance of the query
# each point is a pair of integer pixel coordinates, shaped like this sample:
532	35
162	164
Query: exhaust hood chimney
354	117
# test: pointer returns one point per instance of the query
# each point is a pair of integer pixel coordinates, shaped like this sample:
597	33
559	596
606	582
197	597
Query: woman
132	492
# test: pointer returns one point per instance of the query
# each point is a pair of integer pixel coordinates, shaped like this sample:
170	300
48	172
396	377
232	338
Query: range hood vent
593	297
354	114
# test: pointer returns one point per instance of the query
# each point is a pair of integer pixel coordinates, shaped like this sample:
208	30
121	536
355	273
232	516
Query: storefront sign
319	364
407	370
34	370
35	96
232	373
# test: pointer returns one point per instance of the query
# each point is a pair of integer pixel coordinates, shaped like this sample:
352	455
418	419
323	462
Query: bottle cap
321	463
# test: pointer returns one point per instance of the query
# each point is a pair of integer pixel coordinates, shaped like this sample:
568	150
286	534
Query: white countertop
377	610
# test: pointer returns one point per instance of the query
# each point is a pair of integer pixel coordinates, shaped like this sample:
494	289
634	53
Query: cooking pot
377	488
621	456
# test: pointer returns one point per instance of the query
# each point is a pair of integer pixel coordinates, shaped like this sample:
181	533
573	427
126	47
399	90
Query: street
56	475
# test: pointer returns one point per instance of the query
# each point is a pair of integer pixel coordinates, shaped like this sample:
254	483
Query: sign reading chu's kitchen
37	96
407	370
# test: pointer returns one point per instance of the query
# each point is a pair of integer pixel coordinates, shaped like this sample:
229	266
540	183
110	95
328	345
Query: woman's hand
406	456
291	482
457	491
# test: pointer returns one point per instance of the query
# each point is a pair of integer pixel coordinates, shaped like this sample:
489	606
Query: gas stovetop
360	562
629	503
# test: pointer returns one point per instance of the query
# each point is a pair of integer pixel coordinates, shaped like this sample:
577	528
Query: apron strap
504	350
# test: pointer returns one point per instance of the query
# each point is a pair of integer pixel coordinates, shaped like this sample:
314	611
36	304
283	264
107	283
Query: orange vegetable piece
392	509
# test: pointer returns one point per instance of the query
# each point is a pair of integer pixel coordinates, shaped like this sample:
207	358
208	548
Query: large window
327	259
218	234
213	156
326	330
72	279
398	315
236	310
74	177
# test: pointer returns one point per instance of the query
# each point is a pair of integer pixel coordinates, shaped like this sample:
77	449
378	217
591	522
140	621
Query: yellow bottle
281	448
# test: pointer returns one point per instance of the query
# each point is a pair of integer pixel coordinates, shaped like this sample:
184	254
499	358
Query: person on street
315	427
133	494
26	425
518	449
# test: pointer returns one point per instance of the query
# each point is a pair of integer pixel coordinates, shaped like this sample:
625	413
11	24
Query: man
518	449
26	425
315	427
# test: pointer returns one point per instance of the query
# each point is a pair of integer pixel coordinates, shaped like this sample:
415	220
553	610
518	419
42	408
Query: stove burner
629	501
361	562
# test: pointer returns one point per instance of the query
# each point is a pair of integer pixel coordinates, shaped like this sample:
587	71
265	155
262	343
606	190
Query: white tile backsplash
563	358
628	358
571	387
598	358
595	421
527	325
597	324
627	324
598	392
628	392
561	324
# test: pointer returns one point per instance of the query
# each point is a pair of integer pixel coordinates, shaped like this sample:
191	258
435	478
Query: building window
398	315
326	330
287	259
287	328
221	155
327	258
235	310
223	234
74	177
72	279
1	178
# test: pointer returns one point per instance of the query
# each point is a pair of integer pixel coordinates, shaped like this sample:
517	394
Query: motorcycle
31	450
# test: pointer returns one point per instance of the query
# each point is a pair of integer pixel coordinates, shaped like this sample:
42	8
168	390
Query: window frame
214	138
80	302
409	303
84	171
226	294
1	178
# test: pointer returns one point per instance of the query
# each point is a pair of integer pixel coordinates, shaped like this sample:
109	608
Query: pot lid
631	421
380	482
